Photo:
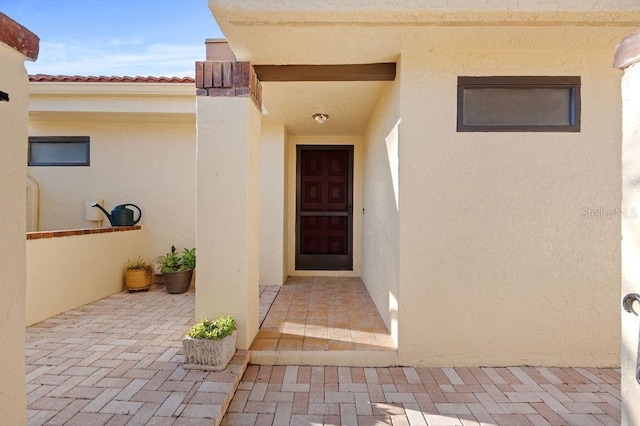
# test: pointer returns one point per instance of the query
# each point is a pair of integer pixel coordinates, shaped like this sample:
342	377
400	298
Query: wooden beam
345	72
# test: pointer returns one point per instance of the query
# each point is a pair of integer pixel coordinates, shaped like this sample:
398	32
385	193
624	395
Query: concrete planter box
208	354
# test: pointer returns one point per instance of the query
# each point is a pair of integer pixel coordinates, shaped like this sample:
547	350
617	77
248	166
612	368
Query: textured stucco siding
228	211
272	188
498	263
55	285
145	162
381	227
14	125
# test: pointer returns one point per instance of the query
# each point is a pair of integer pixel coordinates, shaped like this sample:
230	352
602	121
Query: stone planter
177	282
208	354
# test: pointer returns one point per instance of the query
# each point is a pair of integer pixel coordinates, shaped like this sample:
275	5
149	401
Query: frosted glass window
59	151
518	104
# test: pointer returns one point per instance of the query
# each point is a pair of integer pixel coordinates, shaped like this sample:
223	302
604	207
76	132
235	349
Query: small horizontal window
518	104
58	151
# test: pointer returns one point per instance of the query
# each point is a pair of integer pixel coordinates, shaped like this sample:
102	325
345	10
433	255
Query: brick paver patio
118	361
426	396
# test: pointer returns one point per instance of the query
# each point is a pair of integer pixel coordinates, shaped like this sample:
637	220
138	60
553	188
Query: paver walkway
426	396
323	314
119	361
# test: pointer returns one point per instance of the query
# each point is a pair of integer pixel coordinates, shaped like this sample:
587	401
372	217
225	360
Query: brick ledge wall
73	232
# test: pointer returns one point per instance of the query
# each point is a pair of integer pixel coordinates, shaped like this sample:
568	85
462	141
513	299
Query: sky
116	37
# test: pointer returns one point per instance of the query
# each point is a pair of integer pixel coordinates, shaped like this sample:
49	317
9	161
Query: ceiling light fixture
320	118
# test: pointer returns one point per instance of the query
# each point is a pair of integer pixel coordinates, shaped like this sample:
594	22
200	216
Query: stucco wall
140	160
630	238
498	264
292	142
380	223
229	212
13	122
272	149
67	272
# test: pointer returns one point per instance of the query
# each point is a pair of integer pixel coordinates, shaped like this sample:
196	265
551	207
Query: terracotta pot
137	279
177	282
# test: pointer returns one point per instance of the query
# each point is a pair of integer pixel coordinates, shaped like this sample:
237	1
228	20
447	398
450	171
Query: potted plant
210	345
177	269
138	273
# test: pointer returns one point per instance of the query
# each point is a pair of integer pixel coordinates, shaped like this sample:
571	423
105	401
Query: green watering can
121	215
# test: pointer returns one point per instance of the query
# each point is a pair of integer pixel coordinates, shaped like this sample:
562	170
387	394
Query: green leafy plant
138	263
216	329
173	262
189	258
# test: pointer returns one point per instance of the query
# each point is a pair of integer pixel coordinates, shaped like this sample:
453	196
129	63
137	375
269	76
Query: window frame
60	139
521	82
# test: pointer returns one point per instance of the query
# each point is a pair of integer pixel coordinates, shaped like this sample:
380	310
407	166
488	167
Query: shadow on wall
33	207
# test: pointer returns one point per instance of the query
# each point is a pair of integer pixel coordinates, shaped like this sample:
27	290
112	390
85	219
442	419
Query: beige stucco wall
498	260
67	272
272	188
630	239
143	160
381	227
228	212
292	142
13	122
498	264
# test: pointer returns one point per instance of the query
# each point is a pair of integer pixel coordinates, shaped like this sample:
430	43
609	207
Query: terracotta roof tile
105	79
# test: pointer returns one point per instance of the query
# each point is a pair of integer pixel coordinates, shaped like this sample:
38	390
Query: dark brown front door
324	220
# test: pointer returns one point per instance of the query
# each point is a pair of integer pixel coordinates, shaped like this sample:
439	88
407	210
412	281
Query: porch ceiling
348	104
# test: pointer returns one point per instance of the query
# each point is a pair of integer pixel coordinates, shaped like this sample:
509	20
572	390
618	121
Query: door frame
319	263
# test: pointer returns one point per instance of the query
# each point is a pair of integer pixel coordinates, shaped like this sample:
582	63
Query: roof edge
46	78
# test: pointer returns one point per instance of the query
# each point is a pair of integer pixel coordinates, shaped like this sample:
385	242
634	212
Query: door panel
324	203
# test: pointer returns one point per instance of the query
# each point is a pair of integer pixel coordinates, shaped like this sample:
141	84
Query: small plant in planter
138	273
210	345
177	269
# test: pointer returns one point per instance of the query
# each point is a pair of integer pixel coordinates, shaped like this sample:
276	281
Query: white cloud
119	41
75	58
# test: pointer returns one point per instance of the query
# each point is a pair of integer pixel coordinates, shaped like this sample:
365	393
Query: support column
627	57
228	203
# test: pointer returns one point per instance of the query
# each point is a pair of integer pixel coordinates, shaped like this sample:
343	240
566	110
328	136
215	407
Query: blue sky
116	37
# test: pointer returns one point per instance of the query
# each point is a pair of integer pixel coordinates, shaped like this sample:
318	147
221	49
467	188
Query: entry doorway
324	207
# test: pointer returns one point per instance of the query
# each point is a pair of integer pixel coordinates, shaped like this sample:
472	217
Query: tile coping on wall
74	232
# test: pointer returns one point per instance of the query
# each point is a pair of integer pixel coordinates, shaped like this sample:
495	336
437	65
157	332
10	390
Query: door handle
627	304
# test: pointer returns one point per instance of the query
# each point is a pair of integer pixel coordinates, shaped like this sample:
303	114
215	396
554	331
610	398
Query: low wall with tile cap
68	269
